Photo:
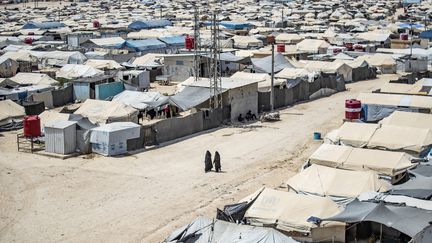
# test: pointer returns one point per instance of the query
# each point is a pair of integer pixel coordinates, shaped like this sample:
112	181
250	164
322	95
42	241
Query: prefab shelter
342	186
387	163
111	139
60	137
290	212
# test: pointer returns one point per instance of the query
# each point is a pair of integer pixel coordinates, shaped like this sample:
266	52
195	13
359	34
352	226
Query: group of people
208	164
249	117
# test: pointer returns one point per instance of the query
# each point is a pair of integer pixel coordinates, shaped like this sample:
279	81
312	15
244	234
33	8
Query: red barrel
28	40
32	126
349	46
337	50
189	42
352	109
403	36
280	48
96	24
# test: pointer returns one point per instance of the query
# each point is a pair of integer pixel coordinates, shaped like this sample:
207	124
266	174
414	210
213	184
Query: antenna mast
215	67
197	44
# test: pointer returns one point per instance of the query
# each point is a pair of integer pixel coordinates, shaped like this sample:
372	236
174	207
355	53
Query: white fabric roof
33	79
73	71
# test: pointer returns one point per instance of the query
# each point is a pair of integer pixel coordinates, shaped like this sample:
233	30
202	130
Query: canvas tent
263	65
205	230
103	64
417	187
290	212
74	71
33	79
377	106
10	112
313	46
58	58
141	100
340	185
246	42
352	134
100	111
383	62
407	220
388	163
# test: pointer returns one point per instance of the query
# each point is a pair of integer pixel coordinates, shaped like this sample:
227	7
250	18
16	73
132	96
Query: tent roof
417	187
408	119
33	79
396	100
290	211
144	45
353	134
384	162
43	25
199	231
311	45
100	111
10	110
327	181
149	24
116	126
263	65
103	64
116	42
190	97
141	100
74	71
407	220
147	60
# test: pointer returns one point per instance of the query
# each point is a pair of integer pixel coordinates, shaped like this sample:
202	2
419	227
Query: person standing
208	166
217	162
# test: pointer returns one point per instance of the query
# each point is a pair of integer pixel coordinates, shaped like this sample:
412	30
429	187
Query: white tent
33	79
103	64
73	71
100	111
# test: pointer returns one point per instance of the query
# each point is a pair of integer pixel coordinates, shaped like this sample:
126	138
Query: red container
349	46
28	40
280	48
32	126
352	109
337	50
96	24
189	42
403	36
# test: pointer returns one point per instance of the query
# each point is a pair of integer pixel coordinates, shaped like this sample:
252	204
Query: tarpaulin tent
407	220
149	24
205	230
235	25
417	187
190	97
100	111
340	185
141	100
33	79
263	65
422	170
395	199
10	111
73	71
43	25
103	64
312	46
109	42
352	134
145	45
241	41
59	58
178	40
343	157
289	211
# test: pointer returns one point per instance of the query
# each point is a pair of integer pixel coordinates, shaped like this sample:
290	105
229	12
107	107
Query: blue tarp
426	35
149	24
173	40
409	26
145	45
43	25
235	25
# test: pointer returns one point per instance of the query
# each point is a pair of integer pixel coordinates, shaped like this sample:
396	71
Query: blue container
317	136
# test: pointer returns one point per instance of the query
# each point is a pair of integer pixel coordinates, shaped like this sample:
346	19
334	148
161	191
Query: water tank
358	47
337	50
352	109
189	42
28	40
30	33
349	46
280	47
403	36
32	126
96	24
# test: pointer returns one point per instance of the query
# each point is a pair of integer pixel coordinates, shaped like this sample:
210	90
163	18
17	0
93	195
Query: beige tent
412	101
409	139
352	134
289	211
400	88
408	119
313	46
288	38
100	111
9	111
325	181
103	64
246	41
387	163
384	62
33	79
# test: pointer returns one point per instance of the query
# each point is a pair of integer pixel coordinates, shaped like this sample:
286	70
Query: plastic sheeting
149	24
100	111
145	45
417	187
407	220
141	100
263	65
205	230
10	111
190	97
74	71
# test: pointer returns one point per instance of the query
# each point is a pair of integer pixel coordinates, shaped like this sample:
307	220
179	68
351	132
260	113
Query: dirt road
143	197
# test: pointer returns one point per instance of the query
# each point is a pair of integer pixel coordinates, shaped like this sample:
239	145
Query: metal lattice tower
215	67
197	45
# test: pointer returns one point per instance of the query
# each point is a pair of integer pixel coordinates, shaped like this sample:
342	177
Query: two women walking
208	164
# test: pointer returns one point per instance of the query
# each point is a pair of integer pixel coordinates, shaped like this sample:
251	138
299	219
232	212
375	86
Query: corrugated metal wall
60	141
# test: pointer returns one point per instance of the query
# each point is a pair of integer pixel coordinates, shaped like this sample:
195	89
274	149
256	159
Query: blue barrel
317	136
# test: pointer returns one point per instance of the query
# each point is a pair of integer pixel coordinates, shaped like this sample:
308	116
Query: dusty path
141	198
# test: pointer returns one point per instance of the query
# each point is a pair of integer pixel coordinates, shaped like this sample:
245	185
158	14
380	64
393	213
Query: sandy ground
143	197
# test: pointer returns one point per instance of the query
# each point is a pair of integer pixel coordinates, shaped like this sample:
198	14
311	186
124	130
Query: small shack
60	137
111	139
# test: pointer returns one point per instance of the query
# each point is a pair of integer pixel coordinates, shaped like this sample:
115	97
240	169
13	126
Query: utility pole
215	66
197	44
271	39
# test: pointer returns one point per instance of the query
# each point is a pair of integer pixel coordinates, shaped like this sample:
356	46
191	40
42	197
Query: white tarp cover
101	111
111	139
206	230
263	65
352	134
336	183
59	58
396	100
343	157
10	110
140	100
289	211
33	79
311	45
408	119
103	64
73	71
